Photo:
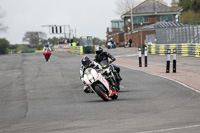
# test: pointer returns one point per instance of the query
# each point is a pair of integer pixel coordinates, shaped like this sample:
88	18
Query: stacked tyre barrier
161	49
197	50
172	47
152	48
76	50
182	49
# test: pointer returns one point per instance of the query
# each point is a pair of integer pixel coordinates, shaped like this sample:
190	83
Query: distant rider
100	56
46	48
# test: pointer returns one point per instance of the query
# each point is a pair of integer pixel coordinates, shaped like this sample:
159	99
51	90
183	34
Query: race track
46	97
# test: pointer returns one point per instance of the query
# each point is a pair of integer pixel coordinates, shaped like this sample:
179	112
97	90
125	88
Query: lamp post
131	16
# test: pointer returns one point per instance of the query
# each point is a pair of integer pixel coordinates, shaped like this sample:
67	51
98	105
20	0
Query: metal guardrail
182	49
76	50
83	49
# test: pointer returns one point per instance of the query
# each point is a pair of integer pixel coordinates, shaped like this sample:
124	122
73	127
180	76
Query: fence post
168	60
140	57
174	60
145	56
198	32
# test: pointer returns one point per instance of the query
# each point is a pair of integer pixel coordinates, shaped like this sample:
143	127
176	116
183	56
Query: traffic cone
135	50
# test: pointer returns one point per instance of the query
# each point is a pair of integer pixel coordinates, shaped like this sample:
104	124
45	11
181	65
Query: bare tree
162	1
34	38
2	15
174	3
124	6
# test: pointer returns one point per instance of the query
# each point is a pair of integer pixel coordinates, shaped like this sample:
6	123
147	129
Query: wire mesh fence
174	33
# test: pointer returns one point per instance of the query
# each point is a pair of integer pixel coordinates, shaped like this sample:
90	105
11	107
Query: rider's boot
120	78
87	89
112	90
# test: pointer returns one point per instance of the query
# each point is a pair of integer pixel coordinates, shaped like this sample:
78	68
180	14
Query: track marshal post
140	57
145	56
168	61
174	60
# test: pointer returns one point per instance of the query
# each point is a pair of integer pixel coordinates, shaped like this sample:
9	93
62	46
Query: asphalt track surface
40	97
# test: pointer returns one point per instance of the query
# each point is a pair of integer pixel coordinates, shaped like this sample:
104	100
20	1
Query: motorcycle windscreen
90	75
104	64
91	71
88	71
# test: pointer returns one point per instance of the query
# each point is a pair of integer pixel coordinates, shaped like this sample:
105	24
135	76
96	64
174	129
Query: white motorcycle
110	45
99	84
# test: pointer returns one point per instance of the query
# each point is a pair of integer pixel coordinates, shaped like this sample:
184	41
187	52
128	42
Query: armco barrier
76	50
27	51
61	48
182	49
38	51
83	49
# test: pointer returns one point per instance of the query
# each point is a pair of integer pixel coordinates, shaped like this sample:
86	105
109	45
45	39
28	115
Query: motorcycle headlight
91	78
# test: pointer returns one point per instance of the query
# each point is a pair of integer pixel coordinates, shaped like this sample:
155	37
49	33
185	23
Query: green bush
39	47
4	45
13	46
189	15
22	48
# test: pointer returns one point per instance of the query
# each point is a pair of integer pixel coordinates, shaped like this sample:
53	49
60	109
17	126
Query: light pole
131	16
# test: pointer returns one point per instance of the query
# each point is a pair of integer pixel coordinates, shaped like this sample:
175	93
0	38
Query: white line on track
126	55
198	91
122	86
171	129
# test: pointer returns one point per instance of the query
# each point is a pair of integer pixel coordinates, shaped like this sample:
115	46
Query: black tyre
116	82
101	92
114	97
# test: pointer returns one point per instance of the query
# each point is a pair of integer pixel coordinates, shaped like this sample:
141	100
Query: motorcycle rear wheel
116	82
114	97
101	92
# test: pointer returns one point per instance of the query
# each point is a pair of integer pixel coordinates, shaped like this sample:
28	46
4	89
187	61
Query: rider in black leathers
100	56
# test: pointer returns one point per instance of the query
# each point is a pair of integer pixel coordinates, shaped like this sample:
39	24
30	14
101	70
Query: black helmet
86	61
99	50
46	45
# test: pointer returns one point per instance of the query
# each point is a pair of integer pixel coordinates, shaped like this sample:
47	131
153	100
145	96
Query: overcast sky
88	17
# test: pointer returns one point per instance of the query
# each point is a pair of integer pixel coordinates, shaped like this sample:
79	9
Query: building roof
152	7
117	20
162	24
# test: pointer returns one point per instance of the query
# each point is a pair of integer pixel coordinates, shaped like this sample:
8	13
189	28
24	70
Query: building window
146	19
115	24
164	17
140	19
119	25
157	18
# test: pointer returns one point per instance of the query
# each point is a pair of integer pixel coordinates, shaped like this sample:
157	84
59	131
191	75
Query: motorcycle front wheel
101	92
47	57
116	81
